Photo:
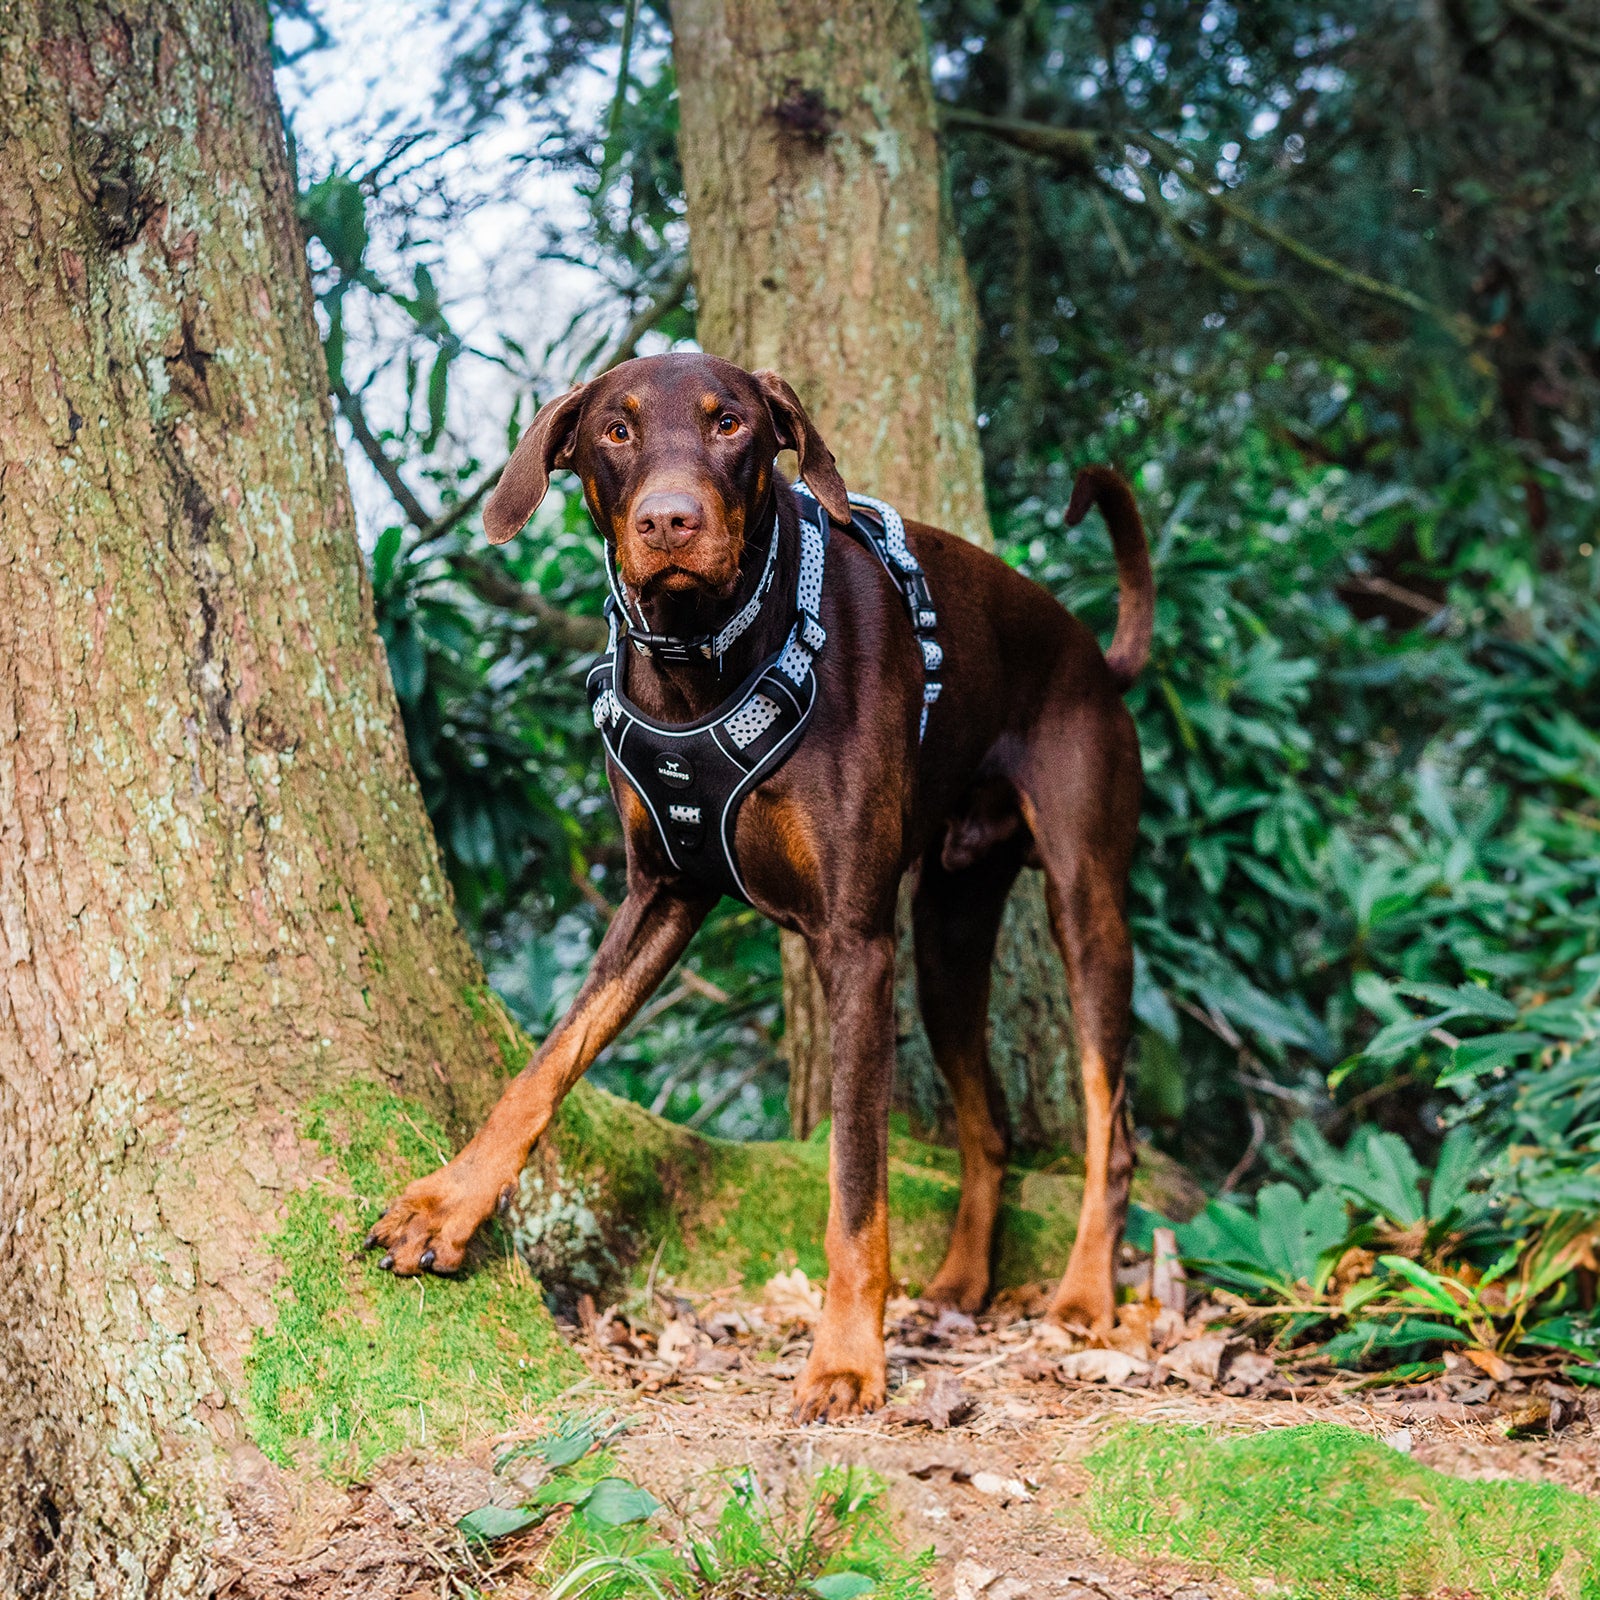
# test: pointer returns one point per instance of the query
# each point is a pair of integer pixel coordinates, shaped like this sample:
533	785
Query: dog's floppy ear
797	432
545	446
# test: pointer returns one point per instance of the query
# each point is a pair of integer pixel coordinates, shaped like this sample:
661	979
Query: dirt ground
981	1445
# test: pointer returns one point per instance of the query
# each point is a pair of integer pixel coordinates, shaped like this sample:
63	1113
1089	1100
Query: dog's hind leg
1079	782
956	919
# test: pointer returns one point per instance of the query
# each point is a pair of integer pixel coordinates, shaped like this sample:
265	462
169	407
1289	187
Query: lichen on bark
219	895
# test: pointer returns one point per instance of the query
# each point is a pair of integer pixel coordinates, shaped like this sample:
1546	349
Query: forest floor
1182	1462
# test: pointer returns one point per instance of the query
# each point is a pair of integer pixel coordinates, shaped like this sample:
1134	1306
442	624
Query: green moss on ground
360	1363
1327	1513
720	1212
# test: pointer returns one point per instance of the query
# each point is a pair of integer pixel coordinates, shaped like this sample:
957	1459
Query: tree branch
463	508
372	449
1077	150
1229	277
670	298
491	583
1073	149
1554	27
1172	160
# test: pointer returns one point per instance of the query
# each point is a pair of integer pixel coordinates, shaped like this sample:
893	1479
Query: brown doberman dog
1030	758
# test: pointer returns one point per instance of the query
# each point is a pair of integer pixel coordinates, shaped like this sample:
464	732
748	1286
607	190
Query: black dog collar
710	646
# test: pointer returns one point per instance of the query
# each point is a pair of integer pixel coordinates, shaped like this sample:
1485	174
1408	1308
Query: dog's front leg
846	1372
431	1224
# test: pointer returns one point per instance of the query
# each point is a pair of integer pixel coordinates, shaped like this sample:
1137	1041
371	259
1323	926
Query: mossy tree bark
824	246
219	893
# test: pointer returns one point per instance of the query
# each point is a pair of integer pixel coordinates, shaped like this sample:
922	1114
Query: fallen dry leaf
1489	1364
1530	1420
943	1402
1052	1336
1247	1370
1354	1265
1198	1361
901	1308
677	1343
1103	1366
1135	1321
792	1297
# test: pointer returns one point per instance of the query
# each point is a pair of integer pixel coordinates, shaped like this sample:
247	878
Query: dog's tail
1136	602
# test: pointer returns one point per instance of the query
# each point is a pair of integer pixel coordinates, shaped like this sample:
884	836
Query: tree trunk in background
219	894
824	247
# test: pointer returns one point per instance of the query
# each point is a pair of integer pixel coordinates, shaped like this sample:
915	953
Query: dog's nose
667	521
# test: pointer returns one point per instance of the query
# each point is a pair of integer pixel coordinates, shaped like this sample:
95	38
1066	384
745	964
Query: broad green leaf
614	1502
438	396
1427	1288
1489	1051
496	1522
1460	1159
1569	1333
1391	1182
842	1586
570	1442
1372	1338
334	211
1465	1000
383	554
1395	1038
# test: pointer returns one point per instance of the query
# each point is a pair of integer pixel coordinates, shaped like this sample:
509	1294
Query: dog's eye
617	433
727	423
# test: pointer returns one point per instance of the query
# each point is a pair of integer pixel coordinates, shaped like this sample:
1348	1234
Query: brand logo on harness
674	770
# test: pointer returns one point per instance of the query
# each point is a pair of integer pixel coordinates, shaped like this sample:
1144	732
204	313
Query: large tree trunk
219	894
824	246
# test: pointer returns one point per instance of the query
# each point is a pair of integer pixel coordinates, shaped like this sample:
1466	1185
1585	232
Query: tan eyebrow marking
710	403
630	402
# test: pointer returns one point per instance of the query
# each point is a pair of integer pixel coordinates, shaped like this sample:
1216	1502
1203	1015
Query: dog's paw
959	1286
829	1391
1084	1308
430	1226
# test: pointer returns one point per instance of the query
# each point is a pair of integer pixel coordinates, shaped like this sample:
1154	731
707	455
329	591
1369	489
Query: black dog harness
692	777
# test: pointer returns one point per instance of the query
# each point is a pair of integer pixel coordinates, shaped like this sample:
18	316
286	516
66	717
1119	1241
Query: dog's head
675	456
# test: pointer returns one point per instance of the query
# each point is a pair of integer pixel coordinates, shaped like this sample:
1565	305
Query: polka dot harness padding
884	533
692	777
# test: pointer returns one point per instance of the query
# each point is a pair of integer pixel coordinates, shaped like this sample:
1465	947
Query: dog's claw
426	1261
503	1204
386	1263
370	1240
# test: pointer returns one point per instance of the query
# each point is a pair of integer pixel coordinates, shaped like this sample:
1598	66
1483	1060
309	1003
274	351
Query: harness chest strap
692	777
